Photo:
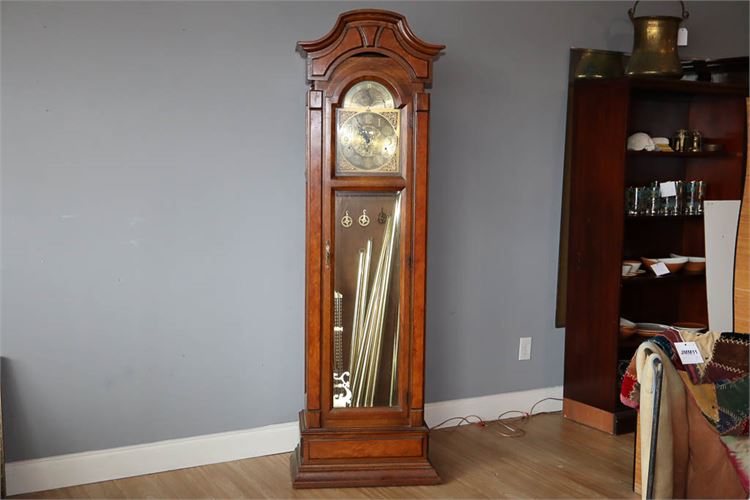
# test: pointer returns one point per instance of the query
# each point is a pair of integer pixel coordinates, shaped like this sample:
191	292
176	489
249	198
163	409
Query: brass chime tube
365	286
370	309
360	300
384	288
394	359
374	348
355	319
377	333
365	353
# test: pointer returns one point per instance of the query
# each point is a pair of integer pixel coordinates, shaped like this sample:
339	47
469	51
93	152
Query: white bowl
649	329
674	264
635	265
694	265
674	260
689	259
690	327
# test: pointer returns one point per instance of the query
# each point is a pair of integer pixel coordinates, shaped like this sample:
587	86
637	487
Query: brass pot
595	63
655	45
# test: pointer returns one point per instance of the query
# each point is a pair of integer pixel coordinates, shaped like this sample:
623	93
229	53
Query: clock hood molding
370	31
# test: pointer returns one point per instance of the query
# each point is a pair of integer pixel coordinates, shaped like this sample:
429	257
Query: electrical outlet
524	348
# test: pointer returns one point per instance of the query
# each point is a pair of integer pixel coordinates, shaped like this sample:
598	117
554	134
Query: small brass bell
655	45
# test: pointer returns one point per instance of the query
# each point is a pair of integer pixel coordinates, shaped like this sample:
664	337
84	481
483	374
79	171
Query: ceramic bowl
627	323
687	326
626	332
674	264
635	265
633	274
627	328
649	329
694	265
649	262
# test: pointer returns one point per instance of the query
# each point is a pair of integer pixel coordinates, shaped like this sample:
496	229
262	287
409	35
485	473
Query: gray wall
153	206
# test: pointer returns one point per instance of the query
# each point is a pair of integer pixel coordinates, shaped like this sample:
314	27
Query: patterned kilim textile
719	386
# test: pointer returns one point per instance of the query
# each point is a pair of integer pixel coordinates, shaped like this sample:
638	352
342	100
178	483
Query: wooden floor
556	458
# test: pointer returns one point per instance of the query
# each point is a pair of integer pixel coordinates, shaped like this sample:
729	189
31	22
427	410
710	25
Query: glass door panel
366	298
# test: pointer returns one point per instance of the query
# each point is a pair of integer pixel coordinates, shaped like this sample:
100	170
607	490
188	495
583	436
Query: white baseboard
489	407
115	463
103	465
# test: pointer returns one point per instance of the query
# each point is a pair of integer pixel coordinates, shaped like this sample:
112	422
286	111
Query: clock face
367	141
368	94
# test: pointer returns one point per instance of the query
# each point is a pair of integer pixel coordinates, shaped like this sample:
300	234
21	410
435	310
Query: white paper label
667	189
682	37
660	269
689	353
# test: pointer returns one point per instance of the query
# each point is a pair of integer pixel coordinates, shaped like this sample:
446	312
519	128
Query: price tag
689	353
660	269
682	37
667	189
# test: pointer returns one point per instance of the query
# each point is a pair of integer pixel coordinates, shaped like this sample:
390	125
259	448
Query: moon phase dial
369	94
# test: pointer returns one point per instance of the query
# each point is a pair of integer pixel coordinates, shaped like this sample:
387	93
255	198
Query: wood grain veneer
742	257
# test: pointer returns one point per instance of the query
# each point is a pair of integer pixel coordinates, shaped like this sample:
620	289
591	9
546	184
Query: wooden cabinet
605	113
368	112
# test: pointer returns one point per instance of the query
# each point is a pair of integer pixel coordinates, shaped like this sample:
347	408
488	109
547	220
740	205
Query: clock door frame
380	445
353	71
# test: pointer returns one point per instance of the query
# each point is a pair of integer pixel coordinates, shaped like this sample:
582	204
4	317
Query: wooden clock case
378	445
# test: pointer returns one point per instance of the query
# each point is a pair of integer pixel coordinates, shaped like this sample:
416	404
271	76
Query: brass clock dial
367	141
368	94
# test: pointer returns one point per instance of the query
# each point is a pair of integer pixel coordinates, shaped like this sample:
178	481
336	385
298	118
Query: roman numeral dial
367	135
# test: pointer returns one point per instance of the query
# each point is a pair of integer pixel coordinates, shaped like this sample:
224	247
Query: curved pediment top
370	31
363	17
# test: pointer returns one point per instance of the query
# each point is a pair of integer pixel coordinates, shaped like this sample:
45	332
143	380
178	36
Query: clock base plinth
343	458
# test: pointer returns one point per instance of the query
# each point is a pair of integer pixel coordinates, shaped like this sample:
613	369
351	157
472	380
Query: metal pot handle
631	12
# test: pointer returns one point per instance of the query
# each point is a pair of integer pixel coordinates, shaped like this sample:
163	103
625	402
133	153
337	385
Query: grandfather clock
367	127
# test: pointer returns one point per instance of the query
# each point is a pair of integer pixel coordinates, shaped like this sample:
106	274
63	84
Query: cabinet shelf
663	217
673	154
666	88
648	278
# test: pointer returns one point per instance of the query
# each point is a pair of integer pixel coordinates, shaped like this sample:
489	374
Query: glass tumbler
640	200
695	192
677	203
701	189
652	200
632	196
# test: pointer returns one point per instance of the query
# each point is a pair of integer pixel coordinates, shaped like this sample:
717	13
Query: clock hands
369	139
364	133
